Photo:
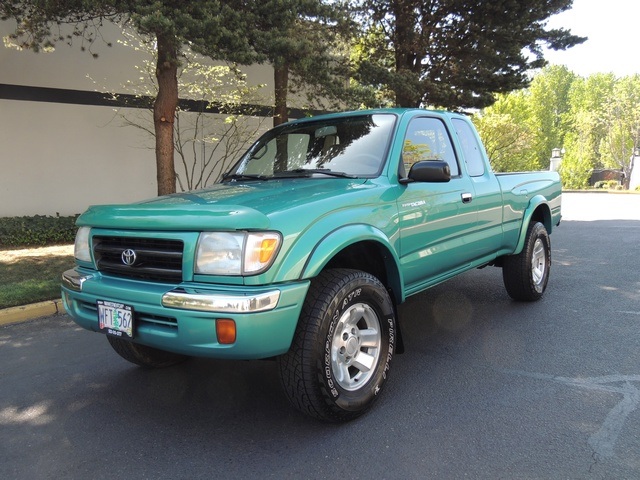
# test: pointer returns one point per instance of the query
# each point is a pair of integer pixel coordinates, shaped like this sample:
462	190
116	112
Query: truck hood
227	206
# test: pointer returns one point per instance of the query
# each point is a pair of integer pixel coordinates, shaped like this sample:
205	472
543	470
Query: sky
614	36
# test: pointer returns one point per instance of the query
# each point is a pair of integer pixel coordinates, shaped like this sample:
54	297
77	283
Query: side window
470	148
427	139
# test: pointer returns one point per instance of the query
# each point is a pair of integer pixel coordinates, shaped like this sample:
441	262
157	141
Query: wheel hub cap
538	263
355	347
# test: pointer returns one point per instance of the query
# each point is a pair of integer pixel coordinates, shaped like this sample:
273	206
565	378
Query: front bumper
182	318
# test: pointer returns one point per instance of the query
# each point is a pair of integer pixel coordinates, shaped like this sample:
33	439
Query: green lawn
32	275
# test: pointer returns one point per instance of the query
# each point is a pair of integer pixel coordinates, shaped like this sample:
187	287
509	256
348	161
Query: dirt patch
10	256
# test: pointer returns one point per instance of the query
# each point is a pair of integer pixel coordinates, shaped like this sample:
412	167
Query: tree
216	28
458	53
622	125
576	167
507	138
205	143
549	109
595	120
300	38
588	97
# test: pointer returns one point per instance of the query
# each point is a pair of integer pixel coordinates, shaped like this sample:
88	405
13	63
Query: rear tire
144	356
526	275
342	348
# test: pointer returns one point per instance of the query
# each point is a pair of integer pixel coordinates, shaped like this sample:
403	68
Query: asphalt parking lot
487	388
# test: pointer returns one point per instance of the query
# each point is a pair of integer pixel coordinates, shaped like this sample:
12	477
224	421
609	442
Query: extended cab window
427	139
470	148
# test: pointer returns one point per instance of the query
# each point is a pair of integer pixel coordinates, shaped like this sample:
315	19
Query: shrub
39	230
608	184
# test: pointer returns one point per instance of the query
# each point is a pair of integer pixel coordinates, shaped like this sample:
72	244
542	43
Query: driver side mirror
434	171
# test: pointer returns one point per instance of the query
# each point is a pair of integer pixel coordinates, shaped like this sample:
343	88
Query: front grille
153	259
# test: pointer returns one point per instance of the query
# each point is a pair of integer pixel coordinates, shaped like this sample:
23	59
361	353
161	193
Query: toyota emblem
128	257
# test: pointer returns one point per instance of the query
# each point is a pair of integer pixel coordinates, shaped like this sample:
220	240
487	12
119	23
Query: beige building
64	147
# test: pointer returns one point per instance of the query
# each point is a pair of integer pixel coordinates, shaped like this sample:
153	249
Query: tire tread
516	269
298	366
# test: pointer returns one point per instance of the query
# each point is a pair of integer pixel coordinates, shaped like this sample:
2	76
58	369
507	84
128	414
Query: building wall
59	158
62	158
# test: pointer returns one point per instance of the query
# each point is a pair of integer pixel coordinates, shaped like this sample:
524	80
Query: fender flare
345	236
539	207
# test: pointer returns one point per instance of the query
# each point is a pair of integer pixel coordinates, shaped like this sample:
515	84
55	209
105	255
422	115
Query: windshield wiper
323	171
243	176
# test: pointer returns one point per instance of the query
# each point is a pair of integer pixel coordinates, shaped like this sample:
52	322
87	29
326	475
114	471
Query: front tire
342	348
144	356
526	275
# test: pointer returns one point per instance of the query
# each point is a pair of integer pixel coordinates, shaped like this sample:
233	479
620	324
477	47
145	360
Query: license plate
115	318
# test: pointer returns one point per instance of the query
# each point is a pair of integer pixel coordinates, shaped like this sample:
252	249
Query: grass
31	275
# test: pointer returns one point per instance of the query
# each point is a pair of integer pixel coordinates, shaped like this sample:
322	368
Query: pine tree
458	53
300	39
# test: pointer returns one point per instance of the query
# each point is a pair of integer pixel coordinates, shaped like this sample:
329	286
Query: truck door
435	219
488	235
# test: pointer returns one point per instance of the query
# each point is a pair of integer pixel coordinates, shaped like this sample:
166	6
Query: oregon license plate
115	318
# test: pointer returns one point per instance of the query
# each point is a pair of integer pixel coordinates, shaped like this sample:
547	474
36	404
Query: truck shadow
435	324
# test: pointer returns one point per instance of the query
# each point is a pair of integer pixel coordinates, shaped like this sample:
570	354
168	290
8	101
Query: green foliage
507	136
38	230
575	170
306	42
370	54
456	54
549	107
607	184
621	122
595	120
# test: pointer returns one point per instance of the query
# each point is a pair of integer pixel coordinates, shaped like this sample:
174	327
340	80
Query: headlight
81	250
236	253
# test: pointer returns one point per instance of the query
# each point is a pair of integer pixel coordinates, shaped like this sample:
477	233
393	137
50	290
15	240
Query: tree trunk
281	88
164	112
405	55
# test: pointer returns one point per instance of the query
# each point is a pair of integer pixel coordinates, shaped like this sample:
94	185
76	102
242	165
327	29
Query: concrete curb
31	312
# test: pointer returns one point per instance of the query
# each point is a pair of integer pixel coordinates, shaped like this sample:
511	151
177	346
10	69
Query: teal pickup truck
303	250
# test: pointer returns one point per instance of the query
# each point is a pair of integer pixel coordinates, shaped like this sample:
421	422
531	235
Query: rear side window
470	148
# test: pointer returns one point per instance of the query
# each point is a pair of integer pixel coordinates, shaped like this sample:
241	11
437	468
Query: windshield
342	146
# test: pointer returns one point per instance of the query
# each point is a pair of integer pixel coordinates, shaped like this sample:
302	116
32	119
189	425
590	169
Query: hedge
39	230
609	184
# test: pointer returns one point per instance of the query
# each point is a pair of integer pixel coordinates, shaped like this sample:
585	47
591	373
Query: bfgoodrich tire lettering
343	346
143	355
526	275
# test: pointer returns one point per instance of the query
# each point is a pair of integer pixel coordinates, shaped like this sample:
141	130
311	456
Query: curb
31	312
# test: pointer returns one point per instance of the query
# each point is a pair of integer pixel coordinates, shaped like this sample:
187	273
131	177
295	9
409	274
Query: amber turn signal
226	331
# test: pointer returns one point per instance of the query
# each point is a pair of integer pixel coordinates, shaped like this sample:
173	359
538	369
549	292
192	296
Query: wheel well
542	214
367	256
374	258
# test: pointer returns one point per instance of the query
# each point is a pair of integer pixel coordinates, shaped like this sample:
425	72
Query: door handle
466	197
